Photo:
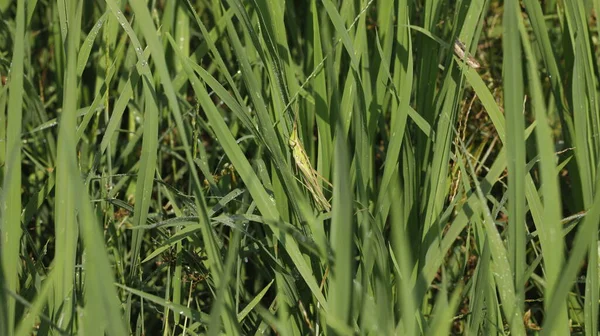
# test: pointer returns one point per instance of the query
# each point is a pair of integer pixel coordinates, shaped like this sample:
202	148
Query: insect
311	176
460	51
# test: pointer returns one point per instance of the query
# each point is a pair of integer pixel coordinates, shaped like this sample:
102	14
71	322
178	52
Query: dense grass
149	186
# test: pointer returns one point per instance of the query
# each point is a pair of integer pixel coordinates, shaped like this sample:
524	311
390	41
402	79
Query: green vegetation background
148	185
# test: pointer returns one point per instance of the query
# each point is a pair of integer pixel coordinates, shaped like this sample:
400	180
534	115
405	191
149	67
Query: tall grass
148	186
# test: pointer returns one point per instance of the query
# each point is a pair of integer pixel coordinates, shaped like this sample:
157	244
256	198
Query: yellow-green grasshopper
311	176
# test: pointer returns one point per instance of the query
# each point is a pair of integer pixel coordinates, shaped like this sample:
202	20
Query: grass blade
11	193
515	143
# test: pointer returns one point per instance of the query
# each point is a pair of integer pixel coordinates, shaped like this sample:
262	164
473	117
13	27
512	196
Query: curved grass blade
192	314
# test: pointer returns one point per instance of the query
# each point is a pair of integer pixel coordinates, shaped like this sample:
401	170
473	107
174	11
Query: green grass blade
540	29
320	93
11	193
515	143
407	307
404	69
477	299
342	231
86	47
585	237
500	267
66	168
550	225
147	167
192	314
242	314
27	324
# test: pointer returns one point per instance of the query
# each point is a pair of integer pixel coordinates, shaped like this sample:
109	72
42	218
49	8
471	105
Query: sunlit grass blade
515	144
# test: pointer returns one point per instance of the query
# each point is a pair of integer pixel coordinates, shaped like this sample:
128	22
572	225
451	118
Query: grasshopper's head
292	141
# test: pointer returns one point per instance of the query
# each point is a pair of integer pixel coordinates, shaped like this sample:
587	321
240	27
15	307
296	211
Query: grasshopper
461	51
311	176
